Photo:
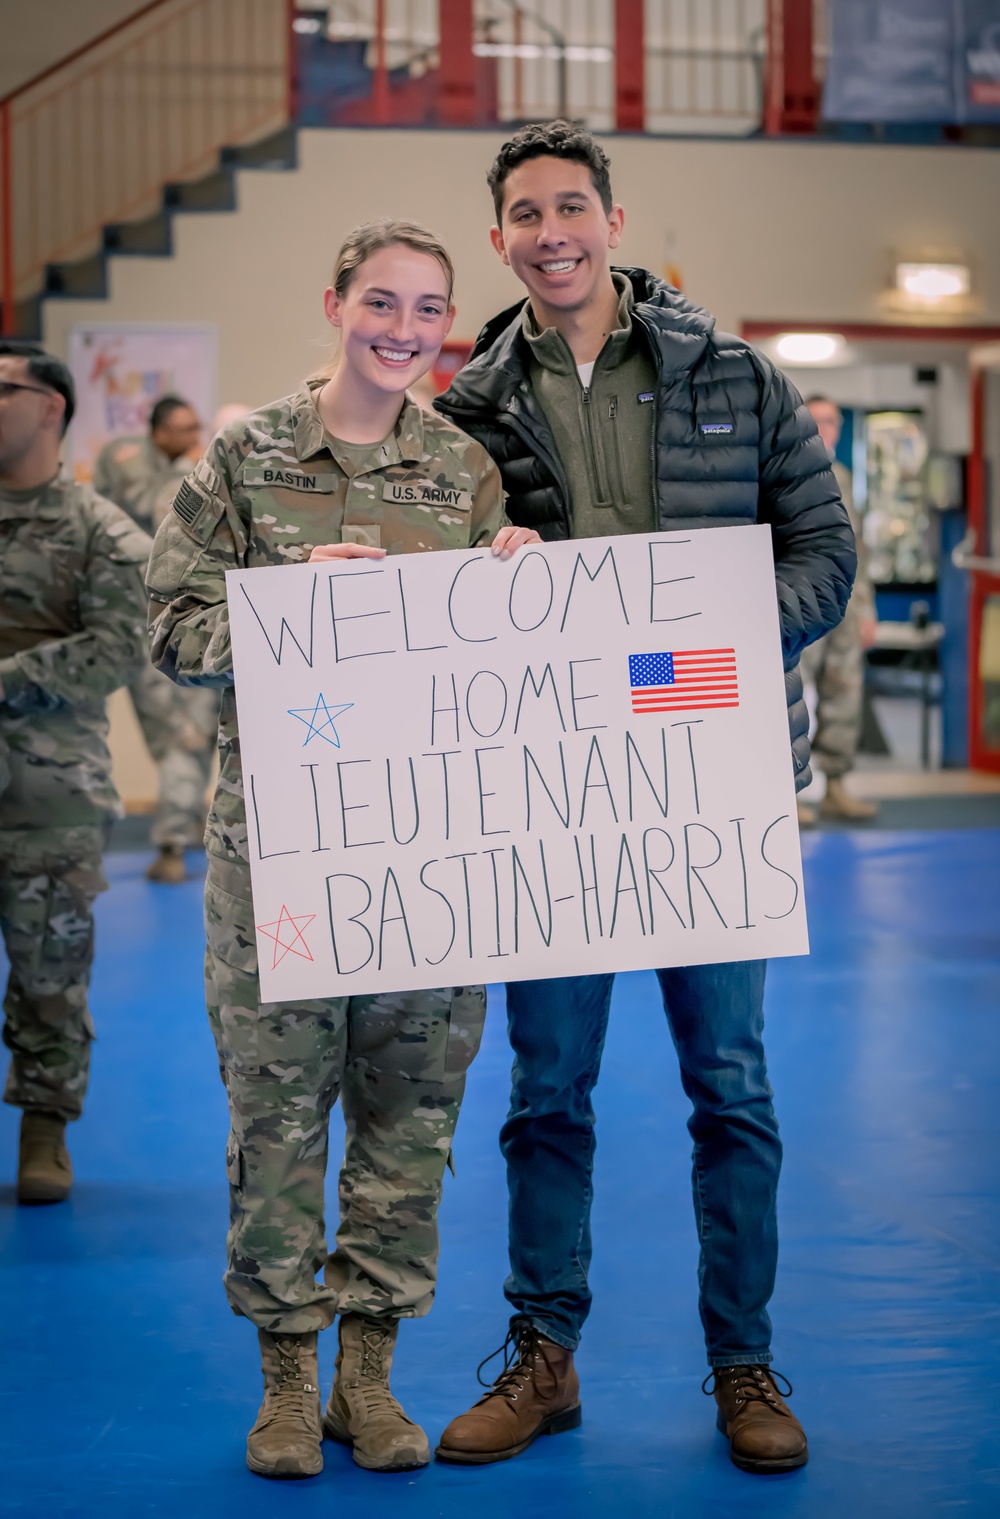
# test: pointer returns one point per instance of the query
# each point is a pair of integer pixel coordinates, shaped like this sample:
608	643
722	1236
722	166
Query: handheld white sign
460	769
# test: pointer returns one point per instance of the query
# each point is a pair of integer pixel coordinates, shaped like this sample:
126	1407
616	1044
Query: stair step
213	192
279	151
149	236
82	279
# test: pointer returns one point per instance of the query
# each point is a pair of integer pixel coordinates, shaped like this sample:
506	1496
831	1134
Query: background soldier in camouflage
835	664
281	487
71	630
141	475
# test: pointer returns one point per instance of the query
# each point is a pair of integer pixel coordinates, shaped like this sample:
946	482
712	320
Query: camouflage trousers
49	878
835	664
180	726
398	1063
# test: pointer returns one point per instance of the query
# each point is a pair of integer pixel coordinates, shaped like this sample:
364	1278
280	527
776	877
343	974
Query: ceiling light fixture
809	347
930	283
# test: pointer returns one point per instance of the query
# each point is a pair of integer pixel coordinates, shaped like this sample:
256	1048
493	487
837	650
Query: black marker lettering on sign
631	748
548	591
538	687
398	917
608	557
278	652
625	853
763	852
654	583
420	648
392	808
529	759
518	870
591	889
261	854
319	847
692	870
342	618
355	918
466	638
654	872
451	913
444	755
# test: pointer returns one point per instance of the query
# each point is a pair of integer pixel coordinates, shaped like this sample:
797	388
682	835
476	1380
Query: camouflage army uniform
71	630
835	664
179	727
271	488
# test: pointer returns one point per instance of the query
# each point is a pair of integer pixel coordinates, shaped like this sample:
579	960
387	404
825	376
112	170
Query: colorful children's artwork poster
121	369
461	769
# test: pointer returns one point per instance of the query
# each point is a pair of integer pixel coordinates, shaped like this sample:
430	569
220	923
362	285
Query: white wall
35	34
765	230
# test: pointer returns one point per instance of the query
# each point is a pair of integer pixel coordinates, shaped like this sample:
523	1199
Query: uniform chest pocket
289	522
423	513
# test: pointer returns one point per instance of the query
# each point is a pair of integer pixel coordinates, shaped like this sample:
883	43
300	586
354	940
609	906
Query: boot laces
752	1384
376	1395
522	1360
291	1380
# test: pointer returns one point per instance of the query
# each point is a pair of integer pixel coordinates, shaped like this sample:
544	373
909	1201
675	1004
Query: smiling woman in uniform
347	467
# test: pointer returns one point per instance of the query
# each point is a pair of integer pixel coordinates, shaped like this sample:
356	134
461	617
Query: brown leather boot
168	867
44	1171
362	1412
537	1393
839	803
287	1439
763	1433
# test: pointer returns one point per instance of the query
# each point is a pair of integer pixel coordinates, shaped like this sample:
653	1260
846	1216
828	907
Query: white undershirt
586	372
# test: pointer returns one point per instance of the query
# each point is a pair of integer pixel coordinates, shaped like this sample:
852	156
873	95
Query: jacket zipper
596	462
619	461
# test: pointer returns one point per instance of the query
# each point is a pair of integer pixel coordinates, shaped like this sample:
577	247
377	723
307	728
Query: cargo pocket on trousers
234	1160
418	1036
232	986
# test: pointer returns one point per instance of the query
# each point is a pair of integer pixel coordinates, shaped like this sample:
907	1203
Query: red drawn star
288	933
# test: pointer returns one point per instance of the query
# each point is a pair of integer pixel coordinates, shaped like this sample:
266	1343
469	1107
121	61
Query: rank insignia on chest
280	475
426	493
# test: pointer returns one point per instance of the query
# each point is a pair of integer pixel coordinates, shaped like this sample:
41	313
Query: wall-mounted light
929	284
810	347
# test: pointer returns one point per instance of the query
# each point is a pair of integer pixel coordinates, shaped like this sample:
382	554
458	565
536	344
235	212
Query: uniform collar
40	500
404	445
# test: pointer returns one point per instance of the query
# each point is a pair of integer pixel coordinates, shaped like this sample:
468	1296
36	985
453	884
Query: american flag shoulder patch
683	680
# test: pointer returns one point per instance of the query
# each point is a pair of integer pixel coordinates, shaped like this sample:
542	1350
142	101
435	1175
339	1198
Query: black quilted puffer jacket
772	467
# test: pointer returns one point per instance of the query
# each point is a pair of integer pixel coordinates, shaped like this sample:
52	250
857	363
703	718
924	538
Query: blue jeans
557	1031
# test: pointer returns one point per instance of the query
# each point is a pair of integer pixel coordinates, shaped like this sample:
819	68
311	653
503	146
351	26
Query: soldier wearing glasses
72	629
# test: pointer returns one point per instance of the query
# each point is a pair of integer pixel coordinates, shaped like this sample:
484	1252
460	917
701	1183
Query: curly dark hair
551	139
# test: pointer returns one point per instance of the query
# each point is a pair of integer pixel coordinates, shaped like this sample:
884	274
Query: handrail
93	140
85	47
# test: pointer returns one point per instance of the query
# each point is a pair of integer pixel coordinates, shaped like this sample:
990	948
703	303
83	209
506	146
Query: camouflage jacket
133	473
72	629
272	487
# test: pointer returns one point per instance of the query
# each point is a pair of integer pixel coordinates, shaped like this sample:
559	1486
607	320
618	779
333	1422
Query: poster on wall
459	769
120	370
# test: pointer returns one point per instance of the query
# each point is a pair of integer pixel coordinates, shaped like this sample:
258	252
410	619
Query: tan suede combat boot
839	803
44	1172
763	1433
362	1412
287	1439
168	867
537	1393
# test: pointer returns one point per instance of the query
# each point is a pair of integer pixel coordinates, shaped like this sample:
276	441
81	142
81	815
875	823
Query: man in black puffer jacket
612	405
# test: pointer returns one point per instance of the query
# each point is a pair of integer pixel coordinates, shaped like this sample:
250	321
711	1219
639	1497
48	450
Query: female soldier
398	1062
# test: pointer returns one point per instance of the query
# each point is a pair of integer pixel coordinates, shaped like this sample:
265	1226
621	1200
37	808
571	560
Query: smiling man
612	405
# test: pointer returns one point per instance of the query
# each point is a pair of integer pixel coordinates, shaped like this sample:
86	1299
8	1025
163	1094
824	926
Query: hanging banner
919	61
121	369
460	769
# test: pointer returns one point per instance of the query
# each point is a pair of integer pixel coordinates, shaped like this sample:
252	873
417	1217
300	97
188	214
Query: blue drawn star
321	720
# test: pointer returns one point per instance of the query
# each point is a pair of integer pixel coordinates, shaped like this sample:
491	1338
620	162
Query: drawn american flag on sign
689	680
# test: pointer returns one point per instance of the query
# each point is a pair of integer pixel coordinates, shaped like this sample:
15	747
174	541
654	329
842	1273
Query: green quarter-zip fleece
603	431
